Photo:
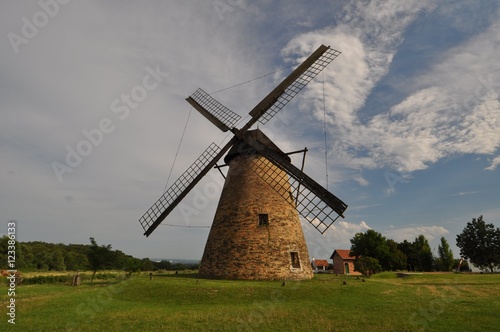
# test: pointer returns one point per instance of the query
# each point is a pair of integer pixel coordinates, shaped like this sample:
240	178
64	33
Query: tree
480	242
408	249
132	265
57	261
4	244
99	256
424	258
75	261
397	258
372	244
147	265
367	266
163	265
60	257
24	256
42	257
446	259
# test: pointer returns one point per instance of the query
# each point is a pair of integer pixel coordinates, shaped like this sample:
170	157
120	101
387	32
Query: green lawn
184	302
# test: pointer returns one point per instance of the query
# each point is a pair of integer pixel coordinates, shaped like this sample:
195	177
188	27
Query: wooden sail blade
292	85
215	112
316	204
182	186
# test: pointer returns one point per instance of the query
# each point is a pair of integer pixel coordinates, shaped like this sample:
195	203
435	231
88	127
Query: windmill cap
243	148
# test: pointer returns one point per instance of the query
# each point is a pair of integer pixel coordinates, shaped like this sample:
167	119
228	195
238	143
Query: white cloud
494	163
453	108
457	113
410	233
368	36
463	193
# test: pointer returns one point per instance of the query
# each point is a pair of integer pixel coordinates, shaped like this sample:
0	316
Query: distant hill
38	255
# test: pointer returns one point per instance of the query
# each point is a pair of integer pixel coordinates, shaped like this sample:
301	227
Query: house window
263	219
295	259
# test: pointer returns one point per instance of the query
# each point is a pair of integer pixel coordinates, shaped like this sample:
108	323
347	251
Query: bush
52	279
68	278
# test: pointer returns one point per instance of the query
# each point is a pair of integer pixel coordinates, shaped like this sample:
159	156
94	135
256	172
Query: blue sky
412	113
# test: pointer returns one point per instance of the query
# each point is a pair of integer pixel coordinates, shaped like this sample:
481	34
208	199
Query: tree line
479	242
37	255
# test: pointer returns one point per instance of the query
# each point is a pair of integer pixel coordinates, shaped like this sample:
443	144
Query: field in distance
184	302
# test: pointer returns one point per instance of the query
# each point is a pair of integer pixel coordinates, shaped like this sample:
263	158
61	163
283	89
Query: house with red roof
319	264
343	262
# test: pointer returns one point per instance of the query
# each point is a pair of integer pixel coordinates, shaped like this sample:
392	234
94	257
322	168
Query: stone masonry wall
237	247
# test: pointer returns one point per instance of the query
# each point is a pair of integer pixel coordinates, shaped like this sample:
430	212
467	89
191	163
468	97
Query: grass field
184	302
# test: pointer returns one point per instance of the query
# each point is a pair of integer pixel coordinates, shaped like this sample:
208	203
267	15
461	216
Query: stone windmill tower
256	232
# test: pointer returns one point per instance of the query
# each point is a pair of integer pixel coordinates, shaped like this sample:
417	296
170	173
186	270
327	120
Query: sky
94	123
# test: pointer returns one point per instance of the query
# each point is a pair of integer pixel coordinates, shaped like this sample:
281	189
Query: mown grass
183	302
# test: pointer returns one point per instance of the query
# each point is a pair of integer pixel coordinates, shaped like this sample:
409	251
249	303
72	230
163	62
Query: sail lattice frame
299	83
214	111
178	187
321	212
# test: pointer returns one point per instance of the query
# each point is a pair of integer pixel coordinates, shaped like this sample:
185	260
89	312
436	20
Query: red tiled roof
321	262
343	253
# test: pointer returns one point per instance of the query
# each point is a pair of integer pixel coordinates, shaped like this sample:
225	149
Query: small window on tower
295	259
263	219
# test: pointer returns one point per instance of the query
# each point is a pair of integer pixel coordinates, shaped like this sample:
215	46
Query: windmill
256	232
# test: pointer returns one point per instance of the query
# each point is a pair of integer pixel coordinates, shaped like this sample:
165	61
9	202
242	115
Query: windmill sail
215	112
293	84
181	187
316	204
321	209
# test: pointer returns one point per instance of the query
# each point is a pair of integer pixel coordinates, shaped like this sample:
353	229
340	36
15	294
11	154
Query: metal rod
219	167
298	151
302	172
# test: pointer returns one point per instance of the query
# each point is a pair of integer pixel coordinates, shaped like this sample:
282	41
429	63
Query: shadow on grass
190	275
103	282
